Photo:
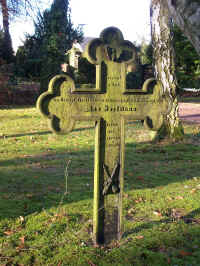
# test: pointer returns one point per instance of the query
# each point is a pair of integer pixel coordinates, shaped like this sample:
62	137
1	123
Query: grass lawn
41	224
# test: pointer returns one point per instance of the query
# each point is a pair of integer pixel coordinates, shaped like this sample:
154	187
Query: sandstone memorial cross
110	105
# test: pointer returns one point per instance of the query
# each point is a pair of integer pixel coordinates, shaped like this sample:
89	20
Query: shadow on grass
2	107
188	219
31	183
41	133
26	134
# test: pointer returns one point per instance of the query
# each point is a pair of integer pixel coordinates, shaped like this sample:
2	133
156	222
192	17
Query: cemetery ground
46	196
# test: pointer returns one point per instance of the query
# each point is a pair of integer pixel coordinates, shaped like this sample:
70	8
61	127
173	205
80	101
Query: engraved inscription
119	109
114	81
108	108
133	99
113	134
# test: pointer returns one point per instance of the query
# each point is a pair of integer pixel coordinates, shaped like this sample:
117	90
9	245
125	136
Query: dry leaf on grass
139	237
179	197
8	233
22	239
157	213
21	245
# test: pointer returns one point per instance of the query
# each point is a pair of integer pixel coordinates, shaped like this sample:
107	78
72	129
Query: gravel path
189	112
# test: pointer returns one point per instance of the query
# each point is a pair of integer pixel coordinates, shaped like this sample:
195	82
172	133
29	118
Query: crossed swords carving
112	180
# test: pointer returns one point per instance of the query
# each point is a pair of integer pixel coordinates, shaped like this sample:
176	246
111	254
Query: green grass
41	224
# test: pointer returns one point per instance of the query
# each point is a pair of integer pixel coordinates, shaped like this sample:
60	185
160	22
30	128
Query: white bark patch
161	46
164	58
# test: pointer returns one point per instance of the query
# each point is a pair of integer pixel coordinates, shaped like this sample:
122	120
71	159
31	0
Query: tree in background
8	53
1	45
187	61
10	10
146	52
44	51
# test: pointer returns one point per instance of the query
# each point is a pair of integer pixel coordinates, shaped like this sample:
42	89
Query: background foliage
187	61
44	51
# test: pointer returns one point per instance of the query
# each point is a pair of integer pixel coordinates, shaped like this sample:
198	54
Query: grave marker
110	104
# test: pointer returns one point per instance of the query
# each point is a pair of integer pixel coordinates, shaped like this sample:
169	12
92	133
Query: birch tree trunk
163	55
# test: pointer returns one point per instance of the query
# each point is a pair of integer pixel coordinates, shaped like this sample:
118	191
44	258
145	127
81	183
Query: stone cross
110	105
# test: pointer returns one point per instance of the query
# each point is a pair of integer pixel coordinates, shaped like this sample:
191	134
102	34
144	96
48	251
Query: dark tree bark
163	54
7	43
5	15
11	9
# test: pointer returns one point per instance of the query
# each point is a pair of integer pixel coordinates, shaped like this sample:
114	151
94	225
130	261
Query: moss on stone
165	133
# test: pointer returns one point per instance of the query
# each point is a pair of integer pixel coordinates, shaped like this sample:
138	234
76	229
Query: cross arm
48	104
153	105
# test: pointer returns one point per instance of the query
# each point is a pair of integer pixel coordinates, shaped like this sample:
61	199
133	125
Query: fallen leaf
21	246
179	197
139	237
91	263
139	200
22	239
21	218
8	233
131	210
193	190
157	213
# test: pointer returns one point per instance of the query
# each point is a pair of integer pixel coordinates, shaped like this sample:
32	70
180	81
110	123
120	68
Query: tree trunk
5	15
163	54
7	43
186	15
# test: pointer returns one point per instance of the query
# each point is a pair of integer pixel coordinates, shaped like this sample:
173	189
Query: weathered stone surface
110	104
